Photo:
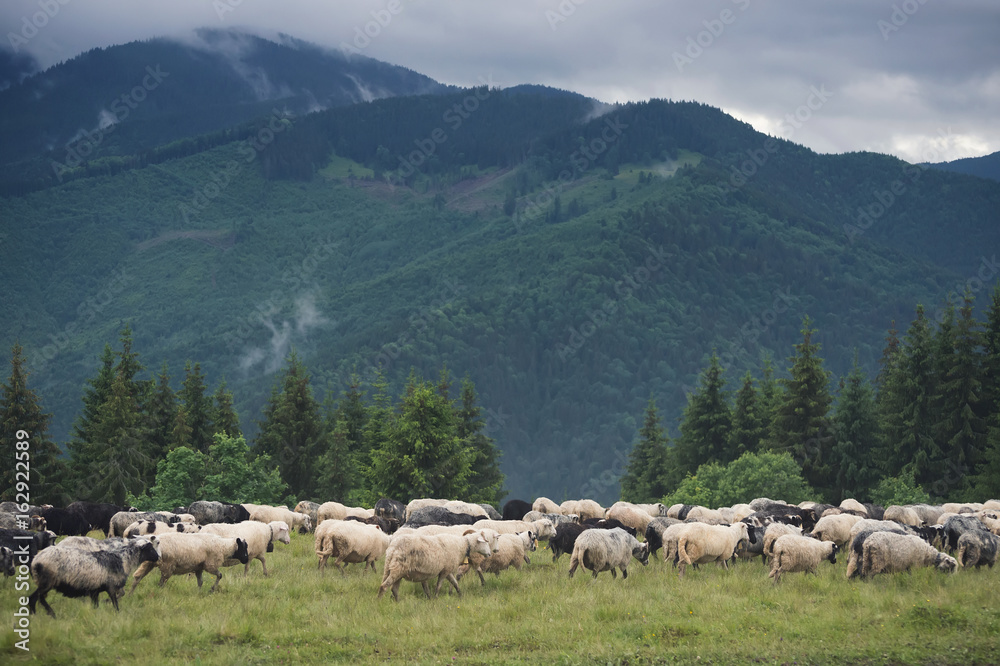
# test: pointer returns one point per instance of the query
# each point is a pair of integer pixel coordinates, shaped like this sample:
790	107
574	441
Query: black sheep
515	509
98	515
65	522
565	538
391	510
438	515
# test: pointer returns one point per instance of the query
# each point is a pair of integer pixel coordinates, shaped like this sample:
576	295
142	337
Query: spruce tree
224	417
706	422
32	473
986	483
749	430
857	442
354	414
379	418
485	478
120	438
890	356
180	435
962	428
336	471
769	396
647	477
293	432
802	426
422	455
197	407
161	418
905	405
83	452
991	359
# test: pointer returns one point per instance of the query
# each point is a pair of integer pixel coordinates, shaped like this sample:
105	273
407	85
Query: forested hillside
573	259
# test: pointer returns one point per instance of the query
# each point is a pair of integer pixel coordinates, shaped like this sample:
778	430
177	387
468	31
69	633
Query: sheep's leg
114	597
263	564
574	562
614	574
93	598
387	582
427	589
41	598
680	569
139	574
218	577
481	579
454	583
624	572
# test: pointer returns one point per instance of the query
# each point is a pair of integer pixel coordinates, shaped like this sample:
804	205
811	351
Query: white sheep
259	537
887	552
800	553
556	518
741	511
588	509
271	514
606	550
851	504
992	505
349	542
543	529
903	514
771	534
991	519
701	514
710	543
943	518
193	552
421	558
671	535
630	516
123	519
77	573
545	505
147	527
512	551
467	508
570	507
836	528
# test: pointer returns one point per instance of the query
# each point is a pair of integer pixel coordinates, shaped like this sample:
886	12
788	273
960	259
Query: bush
752	475
902	489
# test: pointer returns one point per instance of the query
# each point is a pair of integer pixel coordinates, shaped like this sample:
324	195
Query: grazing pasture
537	615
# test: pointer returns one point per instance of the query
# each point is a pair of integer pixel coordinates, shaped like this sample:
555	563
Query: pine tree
706	423
32	473
769	397
991	357
801	426
197	407
292	431
354	414
83	452
905	405
962	429
180	436
161	419
647	476
857	437
336	468
890	356
749	430
986	483
485	478
120	436
224	417
422	455
379	419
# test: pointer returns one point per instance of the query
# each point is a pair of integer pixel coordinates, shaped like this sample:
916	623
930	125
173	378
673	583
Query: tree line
926	428
138	441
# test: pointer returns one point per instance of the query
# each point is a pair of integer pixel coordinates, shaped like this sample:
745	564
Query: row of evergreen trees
137	440
929	421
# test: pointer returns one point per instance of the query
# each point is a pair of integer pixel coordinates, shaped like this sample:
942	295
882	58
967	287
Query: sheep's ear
481	539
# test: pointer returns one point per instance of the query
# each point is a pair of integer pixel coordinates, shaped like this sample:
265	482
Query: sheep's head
946	563
641	553
832	557
482	546
279	530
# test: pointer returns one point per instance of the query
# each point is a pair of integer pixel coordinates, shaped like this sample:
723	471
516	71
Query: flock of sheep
432	541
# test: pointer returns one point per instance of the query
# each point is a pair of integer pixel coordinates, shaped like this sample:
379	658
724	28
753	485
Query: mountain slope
129	98
987	166
617	269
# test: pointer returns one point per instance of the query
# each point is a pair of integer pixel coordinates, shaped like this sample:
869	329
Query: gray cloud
930	69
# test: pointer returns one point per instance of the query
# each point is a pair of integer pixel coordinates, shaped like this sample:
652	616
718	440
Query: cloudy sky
916	78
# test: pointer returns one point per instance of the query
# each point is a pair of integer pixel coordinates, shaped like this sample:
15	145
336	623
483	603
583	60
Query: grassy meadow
535	616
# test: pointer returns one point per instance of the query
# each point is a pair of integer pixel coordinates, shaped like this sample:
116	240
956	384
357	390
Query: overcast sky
916	78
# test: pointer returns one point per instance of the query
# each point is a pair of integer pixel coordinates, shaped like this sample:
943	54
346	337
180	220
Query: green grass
535	616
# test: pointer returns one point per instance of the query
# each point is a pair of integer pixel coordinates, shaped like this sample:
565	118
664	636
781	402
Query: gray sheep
81	573
886	552
976	549
605	550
